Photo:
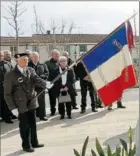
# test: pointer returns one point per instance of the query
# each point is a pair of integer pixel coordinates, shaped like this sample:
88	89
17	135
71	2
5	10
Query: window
60	48
35	48
68	49
13	50
135	60
83	48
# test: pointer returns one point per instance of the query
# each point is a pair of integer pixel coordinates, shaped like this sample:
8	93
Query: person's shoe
43	119
29	150
62	117
94	110
52	114
75	107
9	121
38	146
83	111
99	106
14	117
119	105
109	108
69	117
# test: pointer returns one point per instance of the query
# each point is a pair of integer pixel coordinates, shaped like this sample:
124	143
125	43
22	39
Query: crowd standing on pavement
23	77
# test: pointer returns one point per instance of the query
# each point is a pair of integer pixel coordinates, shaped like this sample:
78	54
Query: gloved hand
49	85
15	112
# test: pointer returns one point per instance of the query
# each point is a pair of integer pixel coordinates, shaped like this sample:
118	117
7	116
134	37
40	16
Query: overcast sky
88	17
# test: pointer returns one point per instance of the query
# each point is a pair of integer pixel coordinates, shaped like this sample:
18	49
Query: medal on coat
20	80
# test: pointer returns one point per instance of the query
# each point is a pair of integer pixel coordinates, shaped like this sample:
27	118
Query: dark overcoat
41	69
4	68
58	84
51	65
19	90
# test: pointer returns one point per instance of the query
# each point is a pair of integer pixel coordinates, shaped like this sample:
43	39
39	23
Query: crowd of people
23	78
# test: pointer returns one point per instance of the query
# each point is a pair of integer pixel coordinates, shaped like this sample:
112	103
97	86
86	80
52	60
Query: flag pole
79	59
97	45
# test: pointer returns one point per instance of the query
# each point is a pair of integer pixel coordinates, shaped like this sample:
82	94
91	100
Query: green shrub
123	150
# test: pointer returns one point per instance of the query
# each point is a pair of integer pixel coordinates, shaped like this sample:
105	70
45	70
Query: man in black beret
20	95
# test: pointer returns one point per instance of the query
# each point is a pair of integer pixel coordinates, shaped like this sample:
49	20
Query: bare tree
63	26
62	30
36	20
15	12
54	28
39	26
71	27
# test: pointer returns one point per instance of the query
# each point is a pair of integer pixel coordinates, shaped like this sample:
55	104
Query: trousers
41	110
87	86
28	131
62	106
52	99
5	112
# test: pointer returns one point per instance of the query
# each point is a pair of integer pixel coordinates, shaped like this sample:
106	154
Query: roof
60	38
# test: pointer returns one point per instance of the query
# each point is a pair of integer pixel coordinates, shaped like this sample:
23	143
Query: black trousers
97	100
41	110
87	86
5	113
52	98
73	101
28	131
62	106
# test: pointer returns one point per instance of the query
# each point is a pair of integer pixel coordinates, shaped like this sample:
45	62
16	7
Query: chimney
48	32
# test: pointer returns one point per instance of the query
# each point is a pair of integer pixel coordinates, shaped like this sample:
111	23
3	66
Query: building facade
75	44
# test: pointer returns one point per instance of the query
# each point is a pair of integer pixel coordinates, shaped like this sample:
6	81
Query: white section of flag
111	69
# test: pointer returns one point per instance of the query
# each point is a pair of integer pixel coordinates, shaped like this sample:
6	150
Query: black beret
21	54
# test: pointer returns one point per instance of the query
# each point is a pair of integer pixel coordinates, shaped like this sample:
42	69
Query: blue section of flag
105	50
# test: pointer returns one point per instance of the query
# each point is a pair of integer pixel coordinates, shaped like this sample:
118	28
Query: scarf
63	77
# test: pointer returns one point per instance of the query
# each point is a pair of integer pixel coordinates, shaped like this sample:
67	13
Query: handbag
64	98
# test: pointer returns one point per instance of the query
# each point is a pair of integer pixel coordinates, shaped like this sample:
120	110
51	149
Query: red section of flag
130	36
114	89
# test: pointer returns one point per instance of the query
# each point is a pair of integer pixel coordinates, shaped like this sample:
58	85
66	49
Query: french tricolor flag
110	65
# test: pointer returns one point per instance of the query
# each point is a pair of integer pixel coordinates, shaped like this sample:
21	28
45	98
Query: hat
21	54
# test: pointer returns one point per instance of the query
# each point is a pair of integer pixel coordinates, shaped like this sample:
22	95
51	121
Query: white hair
34	53
28	51
55	51
61	58
65	53
6	52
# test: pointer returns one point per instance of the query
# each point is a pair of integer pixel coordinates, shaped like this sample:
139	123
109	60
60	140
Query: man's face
1	56
23	61
7	56
55	56
35	58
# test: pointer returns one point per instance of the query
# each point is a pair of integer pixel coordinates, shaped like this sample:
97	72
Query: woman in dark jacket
64	86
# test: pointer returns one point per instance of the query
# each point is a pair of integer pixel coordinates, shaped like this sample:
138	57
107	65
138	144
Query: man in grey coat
19	92
5	113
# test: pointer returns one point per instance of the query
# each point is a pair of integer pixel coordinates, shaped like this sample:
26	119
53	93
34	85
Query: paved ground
60	137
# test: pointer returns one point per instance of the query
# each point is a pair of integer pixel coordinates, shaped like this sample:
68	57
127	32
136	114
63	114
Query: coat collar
21	74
